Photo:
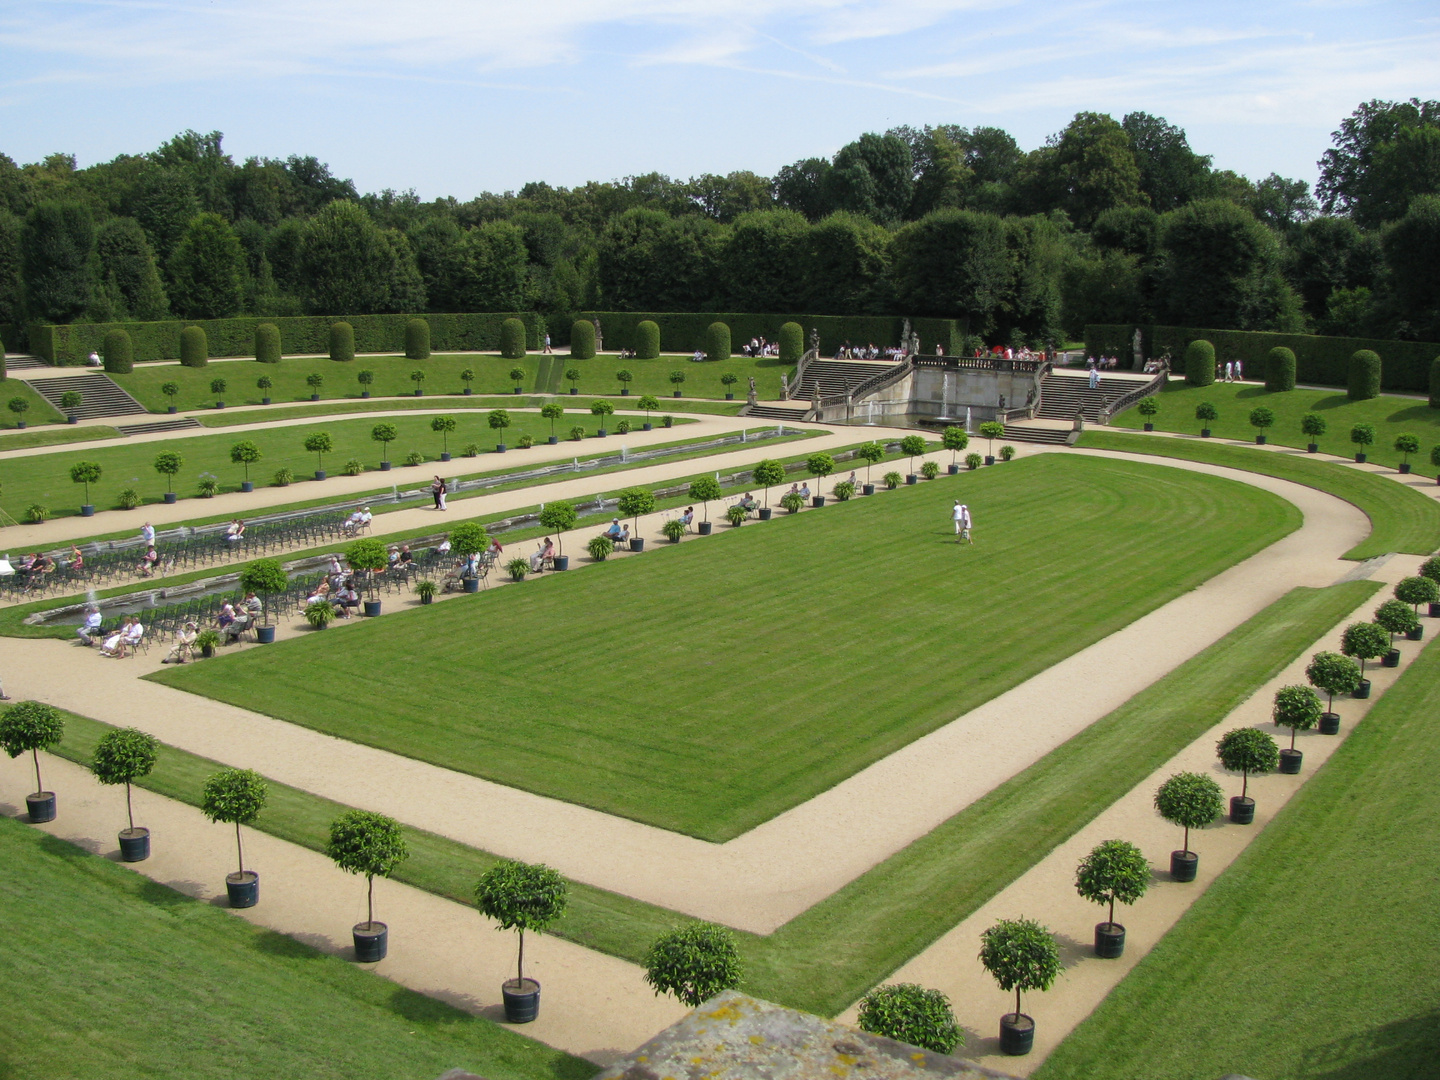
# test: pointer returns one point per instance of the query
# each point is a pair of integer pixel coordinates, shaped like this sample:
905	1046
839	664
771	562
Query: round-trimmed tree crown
234	796
124	755
693	962
1248	750
30	725
1189	800
1296	707
912	1015
364	842
521	896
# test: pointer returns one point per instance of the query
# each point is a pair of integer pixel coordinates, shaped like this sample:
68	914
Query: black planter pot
384	466
264	401
989	459
954	470
1435	611
704	527
522	1001
1416	634
647	427
135	844
516	390
372	609
466	391
314	397
1391	659
1149	426
765	513
574	390
1404	467
1329	723
911	479
1109	940
419	392
20	426
1183	865
1362	691
170	497
319	474
1312	448
1259	440
219	404
602	433
624	391
562	562
673	539
637	543
553	440
265	635
173	408
1017	1034
1242	810
364	393
445	456
1290	761
817	500
73	419
41	806
1360	459
677	393
247	485
243	888
729	397
472	584
372	942
500	448
87	510
1204	433
868	489
207	651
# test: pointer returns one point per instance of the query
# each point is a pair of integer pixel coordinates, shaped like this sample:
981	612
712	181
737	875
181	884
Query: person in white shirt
966	537
91	628
957	515
147	533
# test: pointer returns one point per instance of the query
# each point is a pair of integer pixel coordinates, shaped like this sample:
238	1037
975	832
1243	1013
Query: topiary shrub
342	341
1190	800
647	340
792	342
267	343
913	1015
417	340
693	962
512	339
1207	414
119	352
1200	363
1364	375
582	340
717	341
1280	369
1365	641
1296	707
194	348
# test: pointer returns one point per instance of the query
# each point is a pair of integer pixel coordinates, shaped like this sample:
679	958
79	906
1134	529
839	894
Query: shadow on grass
1419	413
1400	1050
299	947
1333	401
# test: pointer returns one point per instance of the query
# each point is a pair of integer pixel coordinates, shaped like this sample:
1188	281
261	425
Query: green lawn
578	406
1401	519
40	411
543	374
55	436
1235	401
114	975
707	687
1313	957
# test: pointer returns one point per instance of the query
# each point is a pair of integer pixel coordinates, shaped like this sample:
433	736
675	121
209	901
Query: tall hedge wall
304	334
1320	361
685	331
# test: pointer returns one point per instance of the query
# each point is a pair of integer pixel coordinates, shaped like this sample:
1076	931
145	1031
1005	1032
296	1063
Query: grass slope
707	687
1313	955
1401	519
1234	402
123	977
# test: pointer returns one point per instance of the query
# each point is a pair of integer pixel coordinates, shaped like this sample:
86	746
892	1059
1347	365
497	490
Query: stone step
776	412
24	363
102	397
179	424
1051	436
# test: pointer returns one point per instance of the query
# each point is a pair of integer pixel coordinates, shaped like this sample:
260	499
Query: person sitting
77	559
148	562
322	592
346	598
748	502
688	517
392	557
538	556
805	491
184	647
89	630
624	540
128	636
235	532
406	558
112	643
496	549
444	548
698	357
614	531
354	522
226	617
238	626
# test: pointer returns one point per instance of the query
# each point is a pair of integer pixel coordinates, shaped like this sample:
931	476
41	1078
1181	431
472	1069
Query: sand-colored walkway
1046	892
762	879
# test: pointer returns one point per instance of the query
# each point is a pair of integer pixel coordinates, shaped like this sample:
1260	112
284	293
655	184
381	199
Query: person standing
1094	377
437	492
957	515
966	536
147	533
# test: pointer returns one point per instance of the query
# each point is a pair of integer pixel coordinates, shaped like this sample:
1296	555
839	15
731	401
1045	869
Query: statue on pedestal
1135	344
599	337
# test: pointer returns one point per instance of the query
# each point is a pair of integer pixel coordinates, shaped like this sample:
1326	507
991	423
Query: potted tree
632	503
1430	570
559	517
236	797
1364	641
171	390
521	896
1335	674
245	453
1262	419
677	379
1247	750
1191	801
1395	617
366	379
384	434
703	489
87	473
1021	955
573	375
443	426
1405	445
319	443
121	756
168	464
264	577
870	453
953	440
1434	456
649	403
1418	590
362	842
467	539
767	474
369	555
418	378
1147	408
912	1015
1114	870
499	420
70	401
992	430
728	380
600	408
19	406
517	378
217	390
552	411
1312	426
693	962
33	726
467	377
912	446
821	465
1362	435
1298	708
624	377
1206	413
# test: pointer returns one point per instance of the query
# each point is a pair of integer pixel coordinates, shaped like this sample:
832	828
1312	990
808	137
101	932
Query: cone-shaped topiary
417	340
717	341
1200	363
512	339
582	340
647	340
194	348
1280	369
119	352
792	343
342	341
1364	380
267	343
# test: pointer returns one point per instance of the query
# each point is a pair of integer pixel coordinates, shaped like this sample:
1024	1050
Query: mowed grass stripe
1313	955
706	687
1401	519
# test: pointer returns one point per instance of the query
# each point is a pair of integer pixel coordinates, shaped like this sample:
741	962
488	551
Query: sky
456	97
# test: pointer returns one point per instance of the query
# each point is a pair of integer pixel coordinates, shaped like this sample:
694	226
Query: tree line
1109	221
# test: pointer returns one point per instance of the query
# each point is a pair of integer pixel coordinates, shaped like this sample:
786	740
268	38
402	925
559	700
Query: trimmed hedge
717	341
1364	381
512	339
474	332
1319	360
1280	369
582	340
647	340
792	343
685	331
119	353
267	343
342	341
1200	363
417	340
194	347
1435	383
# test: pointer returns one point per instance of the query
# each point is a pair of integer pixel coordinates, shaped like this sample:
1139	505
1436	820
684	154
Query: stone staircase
1028	431
101	396
1062	396
153	426
777	411
836	377
24	363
